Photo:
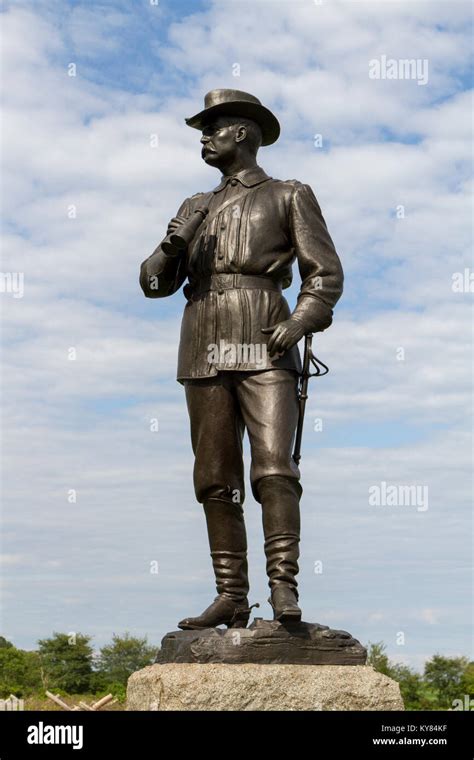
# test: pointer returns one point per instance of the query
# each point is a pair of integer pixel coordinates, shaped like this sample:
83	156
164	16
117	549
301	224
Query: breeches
221	408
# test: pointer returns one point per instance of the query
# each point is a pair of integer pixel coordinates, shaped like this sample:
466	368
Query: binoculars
178	241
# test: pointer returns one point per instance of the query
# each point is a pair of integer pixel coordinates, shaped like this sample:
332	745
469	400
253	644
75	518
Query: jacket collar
246	177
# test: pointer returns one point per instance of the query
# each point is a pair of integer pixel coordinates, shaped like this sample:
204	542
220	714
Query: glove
175	222
284	335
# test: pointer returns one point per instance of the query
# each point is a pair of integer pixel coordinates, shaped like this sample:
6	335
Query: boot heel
240	618
285	615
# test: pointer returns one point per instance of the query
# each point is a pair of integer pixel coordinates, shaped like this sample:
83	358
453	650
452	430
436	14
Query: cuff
313	314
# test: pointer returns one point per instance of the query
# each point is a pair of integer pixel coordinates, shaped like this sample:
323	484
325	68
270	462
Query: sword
309	360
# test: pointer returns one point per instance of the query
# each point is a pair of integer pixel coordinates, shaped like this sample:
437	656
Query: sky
101	533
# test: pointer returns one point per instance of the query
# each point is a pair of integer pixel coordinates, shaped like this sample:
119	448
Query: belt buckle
219	284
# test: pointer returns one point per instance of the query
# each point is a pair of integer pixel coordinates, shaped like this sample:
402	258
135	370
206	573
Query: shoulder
293	191
291	183
194	199
289	186
190	203
302	195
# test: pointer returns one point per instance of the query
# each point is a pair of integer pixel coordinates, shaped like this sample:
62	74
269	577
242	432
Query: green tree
20	672
4	642
378	659
66	661
446	675
412	688
126	654
467	681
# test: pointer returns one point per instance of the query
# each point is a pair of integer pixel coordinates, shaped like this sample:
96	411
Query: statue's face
219	145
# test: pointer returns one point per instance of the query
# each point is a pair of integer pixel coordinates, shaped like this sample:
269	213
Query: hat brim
267	122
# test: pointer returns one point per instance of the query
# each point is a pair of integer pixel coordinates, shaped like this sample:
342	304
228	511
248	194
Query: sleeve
319	265
162	275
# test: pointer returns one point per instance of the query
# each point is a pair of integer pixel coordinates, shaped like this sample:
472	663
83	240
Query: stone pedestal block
250	686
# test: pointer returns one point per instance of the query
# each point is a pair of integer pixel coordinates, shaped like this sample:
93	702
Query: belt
221	282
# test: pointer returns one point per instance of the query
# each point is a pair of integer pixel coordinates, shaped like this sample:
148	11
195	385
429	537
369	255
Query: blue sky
396	404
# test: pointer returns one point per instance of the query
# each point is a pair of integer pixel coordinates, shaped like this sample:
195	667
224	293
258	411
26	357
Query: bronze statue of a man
238	355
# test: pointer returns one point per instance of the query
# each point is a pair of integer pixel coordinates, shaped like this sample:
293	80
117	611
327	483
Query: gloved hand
175	222
284	335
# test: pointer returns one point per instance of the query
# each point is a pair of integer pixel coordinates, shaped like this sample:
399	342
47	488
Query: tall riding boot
279	497
228	544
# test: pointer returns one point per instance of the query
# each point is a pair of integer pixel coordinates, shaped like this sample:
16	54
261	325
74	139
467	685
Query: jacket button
223	226
221	256
220	292
233	182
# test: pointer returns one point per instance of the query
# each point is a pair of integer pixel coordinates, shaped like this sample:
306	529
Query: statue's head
233	123
225	138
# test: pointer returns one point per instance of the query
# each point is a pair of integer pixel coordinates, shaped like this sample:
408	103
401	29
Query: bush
67	662
444	680
124	656
20	672
446	675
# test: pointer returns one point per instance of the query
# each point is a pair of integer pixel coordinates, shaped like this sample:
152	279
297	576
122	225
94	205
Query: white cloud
430	616
12	559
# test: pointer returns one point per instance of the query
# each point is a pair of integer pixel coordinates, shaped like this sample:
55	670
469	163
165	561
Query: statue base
264	642
267	666
226	687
